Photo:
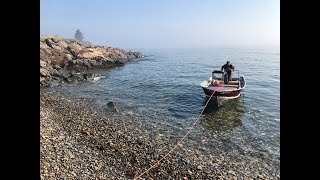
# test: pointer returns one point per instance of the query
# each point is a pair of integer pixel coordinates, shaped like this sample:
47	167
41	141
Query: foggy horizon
165	24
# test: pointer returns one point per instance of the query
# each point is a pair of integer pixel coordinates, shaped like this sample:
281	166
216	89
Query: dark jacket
227	67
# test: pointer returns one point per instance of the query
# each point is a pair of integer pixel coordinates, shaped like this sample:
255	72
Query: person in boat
228	69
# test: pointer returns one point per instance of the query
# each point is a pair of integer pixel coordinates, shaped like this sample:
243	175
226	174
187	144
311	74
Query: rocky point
66	60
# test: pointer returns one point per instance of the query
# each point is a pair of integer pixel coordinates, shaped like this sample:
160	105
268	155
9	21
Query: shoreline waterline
95	142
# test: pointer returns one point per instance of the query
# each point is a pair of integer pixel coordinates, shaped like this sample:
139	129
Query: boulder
43	63
54	72
57	67
112	106
44	72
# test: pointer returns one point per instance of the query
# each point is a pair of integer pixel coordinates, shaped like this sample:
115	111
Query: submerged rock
112	106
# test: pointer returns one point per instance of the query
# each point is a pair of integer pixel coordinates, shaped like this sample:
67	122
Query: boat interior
234	82
218	80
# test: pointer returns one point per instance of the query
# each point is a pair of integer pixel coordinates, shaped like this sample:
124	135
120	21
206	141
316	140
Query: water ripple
164	87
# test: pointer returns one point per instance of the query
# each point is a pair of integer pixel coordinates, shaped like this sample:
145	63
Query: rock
44	72
57	67
73	78
86	64
54	72
73	173
73	62
49	43
66	63
89	53
112	106
43	63
93	62
260	176
88	76
96	78
56	40
263	155
68	57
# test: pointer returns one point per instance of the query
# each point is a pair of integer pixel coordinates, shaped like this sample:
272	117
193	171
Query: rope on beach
158	163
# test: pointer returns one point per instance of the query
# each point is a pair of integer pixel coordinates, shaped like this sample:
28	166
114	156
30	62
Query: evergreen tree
78	35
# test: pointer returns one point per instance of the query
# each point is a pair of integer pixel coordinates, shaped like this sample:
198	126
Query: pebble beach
80	140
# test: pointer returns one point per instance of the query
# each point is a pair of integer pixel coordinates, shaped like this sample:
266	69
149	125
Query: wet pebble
80	141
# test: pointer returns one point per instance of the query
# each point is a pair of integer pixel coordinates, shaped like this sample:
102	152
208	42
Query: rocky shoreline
67	60
80	140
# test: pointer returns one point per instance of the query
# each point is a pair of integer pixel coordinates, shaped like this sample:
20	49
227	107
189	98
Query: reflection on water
224	117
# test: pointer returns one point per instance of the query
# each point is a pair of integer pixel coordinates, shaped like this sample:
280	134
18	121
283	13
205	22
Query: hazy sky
164	23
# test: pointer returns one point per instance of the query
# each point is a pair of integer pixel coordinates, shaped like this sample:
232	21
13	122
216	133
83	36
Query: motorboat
223	88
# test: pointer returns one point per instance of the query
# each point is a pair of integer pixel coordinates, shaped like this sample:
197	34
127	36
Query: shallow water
164	89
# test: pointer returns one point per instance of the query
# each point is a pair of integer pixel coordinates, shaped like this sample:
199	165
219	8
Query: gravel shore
80	140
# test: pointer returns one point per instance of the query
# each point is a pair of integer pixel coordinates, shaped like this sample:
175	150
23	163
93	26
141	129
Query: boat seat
226	85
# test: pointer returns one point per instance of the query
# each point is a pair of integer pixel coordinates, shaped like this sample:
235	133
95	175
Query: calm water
164	89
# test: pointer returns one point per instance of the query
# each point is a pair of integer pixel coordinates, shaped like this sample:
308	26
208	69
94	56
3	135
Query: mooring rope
157	163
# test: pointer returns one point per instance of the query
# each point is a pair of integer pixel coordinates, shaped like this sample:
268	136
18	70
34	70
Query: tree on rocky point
78	35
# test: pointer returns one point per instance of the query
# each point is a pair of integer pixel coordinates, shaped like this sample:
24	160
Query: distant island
65	60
